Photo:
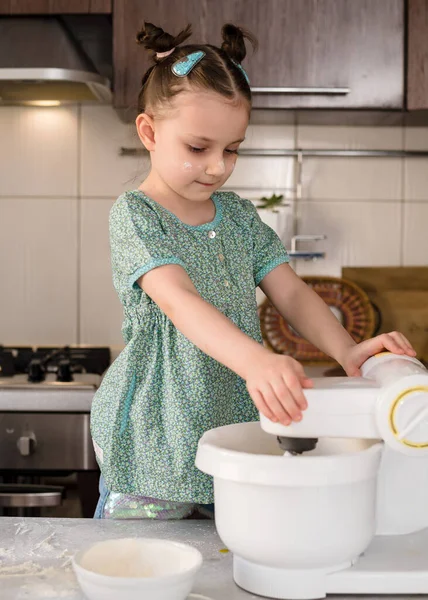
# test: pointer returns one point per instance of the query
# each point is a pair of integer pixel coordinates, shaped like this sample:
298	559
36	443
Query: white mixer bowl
315	511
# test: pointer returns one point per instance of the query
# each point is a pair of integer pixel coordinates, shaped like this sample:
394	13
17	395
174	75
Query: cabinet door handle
319	91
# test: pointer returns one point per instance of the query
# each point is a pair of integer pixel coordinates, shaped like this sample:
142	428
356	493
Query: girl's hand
356	355
275	386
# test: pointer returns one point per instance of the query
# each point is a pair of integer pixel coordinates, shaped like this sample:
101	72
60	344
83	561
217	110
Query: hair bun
156	39
234	42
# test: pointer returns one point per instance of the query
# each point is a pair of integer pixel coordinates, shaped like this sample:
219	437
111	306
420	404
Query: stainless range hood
52	60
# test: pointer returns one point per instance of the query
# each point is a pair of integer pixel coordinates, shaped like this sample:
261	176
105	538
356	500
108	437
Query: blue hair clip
182	67
241	68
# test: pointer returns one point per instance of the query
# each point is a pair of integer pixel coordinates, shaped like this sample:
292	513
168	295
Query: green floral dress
162	393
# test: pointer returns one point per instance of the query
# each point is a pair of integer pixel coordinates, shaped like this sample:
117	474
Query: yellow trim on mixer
422	388
382	354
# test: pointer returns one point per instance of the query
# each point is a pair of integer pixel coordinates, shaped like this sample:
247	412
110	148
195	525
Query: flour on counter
55	583
44	543
31	568
26	568
42	582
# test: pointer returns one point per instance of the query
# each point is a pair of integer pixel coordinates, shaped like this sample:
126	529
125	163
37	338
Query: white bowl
136	569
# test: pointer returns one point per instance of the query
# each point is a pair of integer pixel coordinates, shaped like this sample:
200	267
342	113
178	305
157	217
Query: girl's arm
308	314
213	333
274	381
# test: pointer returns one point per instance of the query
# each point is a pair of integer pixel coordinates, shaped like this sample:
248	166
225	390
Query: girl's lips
206	184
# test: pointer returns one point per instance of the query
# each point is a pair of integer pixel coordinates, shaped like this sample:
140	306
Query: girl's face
194	146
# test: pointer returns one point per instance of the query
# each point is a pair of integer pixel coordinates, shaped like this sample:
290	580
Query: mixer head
297	445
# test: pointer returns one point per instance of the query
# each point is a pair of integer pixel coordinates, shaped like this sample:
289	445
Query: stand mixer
340	504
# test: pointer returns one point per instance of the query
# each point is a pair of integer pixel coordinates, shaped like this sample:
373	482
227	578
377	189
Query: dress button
226	283
221	257
211	234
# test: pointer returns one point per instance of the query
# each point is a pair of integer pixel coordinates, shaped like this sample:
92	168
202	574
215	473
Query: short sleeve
269	251
137	240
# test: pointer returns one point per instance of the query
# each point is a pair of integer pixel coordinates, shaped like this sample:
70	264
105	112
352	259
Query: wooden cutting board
401	295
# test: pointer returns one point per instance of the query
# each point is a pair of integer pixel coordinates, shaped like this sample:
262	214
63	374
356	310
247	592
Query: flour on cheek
191	168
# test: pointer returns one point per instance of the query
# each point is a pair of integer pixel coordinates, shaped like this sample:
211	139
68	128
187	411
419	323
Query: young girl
186	262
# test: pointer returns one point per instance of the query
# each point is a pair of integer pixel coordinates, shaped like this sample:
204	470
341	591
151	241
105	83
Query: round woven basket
346	299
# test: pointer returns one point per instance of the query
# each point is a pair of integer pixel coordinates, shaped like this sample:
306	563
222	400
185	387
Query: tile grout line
296	208
295	192
79	225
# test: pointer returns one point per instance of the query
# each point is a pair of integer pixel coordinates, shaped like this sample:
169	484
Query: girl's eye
199	150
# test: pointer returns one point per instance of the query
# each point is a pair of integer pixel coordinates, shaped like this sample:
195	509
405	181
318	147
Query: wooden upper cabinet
130	60
312	53
417	55
54	7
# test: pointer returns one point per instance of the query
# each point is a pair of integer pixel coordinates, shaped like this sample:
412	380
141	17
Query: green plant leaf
271	202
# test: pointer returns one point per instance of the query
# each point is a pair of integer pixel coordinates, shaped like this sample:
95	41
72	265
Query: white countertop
35	556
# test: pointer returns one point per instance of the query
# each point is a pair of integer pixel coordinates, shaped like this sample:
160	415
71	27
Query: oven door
46	441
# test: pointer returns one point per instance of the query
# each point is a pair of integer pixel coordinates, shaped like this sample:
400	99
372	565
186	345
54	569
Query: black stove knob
36	372
64	372
7	366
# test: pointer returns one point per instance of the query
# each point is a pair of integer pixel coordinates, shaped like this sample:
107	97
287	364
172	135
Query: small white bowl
137	569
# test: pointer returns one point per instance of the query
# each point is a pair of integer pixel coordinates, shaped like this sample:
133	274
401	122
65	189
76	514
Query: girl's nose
216	169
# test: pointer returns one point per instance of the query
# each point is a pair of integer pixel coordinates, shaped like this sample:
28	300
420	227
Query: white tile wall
100	309
357	234
349	138
415	242
255	177
343	178
270	137
38	151
104	173
38	271
416	169
60	171
357	179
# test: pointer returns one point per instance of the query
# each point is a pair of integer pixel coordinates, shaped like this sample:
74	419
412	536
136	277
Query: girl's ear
146	130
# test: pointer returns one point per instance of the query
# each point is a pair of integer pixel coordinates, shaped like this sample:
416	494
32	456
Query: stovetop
50	382
53	367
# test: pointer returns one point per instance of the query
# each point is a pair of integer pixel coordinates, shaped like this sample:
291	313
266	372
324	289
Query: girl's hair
218	71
